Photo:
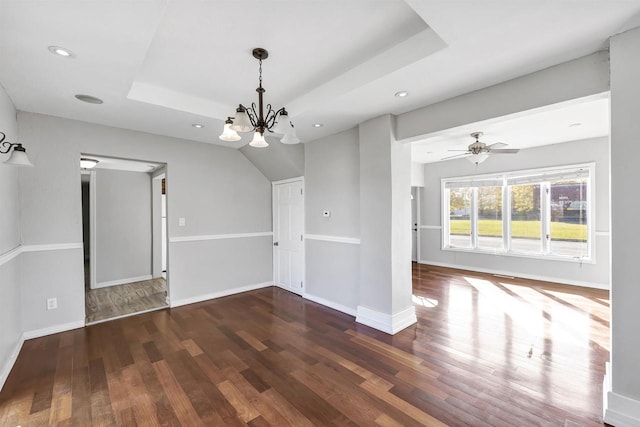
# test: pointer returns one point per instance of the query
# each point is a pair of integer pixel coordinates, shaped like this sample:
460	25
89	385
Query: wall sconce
18	156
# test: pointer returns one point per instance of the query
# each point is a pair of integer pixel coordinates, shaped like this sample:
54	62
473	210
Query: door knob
275	243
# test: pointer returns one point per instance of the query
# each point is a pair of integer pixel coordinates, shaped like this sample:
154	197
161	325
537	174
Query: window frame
545	211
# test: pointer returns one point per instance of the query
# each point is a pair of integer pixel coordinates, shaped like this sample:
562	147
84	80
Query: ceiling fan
478	152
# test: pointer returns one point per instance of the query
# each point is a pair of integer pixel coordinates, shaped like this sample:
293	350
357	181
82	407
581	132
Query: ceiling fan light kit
254	118
478	152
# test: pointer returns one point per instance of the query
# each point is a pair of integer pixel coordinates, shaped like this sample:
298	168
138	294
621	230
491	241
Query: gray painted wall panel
9	186
332	181
211	266
277	161
625	288
123	225
333	271
10	282
52	274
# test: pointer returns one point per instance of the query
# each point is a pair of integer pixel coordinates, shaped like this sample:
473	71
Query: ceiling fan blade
460	150
503	151
497	145
456	156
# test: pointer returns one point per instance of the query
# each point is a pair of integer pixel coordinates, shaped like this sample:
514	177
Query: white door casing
288	232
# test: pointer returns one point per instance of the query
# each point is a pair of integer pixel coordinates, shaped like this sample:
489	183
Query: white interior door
288	230
414	224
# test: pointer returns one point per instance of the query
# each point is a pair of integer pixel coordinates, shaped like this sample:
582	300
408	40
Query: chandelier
253	119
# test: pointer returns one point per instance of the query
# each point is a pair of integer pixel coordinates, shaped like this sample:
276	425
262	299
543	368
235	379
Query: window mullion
545	216
474	217
506	217
446	218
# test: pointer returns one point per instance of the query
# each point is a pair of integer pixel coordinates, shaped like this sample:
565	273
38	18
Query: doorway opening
124	235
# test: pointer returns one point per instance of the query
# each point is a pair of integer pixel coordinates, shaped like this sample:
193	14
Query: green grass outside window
522	229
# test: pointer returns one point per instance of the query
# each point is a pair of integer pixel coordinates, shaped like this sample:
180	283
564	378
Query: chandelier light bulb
258	141
282	125
290	137
228	134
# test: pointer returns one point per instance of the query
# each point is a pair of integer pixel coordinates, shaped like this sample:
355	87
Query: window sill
541	257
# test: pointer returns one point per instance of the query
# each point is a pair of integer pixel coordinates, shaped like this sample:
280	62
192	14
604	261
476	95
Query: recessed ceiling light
90	99
61	51
401	94
198	125
317	125
573	125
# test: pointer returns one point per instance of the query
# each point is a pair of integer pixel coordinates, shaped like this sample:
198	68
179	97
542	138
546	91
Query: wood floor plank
245	409
400	404
485	351
176	395
288	411
144	410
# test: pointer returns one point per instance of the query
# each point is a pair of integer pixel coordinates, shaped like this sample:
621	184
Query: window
539	213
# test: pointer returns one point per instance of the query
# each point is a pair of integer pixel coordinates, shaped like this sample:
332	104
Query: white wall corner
53	329
6	369
618	410
389	323
327	303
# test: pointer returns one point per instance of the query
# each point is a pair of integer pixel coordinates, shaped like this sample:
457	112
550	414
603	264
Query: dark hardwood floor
486	351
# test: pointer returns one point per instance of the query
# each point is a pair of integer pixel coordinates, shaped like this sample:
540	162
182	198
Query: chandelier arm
270	118
258	121
251	112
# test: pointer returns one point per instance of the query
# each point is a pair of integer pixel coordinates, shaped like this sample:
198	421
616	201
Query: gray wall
570	80
123	225
585	151
625	286
10	283
277	161
332	182
217	190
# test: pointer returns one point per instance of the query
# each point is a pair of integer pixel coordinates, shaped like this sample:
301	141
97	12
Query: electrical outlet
182	222
52	303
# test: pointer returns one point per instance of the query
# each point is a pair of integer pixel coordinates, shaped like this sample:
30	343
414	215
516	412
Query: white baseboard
53	329
127	315
342	308
618	410
8	365
391	324
521	275
214	295
122	281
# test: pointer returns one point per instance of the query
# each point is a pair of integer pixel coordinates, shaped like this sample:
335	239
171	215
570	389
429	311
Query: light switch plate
326	213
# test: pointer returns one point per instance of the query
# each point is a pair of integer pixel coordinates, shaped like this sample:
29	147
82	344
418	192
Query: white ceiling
162	65
569	121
